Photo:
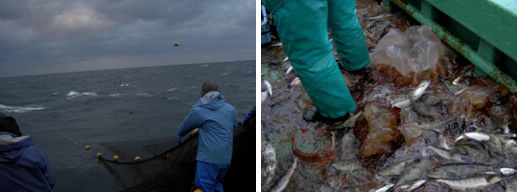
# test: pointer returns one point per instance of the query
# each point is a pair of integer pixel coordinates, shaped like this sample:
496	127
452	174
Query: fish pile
437	129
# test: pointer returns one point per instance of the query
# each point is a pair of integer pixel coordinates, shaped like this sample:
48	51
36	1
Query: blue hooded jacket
23	167
216	121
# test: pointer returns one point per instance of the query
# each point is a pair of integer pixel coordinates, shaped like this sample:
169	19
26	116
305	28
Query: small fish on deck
295	82
279	44
268	164
396	168
282	183
471	183
454	156
269	87
385	188
420	90
457	80
347	166
350	122
289	69
478	136
416	184
458	170
285	59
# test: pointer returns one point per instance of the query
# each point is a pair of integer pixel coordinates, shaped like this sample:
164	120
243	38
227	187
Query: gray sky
65	35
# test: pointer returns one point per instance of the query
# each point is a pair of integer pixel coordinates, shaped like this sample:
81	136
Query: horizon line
121	68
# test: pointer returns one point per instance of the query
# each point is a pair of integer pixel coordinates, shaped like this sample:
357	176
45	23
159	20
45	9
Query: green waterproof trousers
302	26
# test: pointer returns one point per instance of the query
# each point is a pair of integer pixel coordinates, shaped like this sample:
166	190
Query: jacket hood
12	146
212	100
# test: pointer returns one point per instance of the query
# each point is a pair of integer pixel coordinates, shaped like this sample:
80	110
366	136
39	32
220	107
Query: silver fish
507	171
411	185
416	185
269	87
350	122
420	90
450	155
437	125
460	91
471	183
457	170
263	96
402	104
478	136
295	82
289	70
502	142
282	183
456	81
414	172
443	142
506	128
385	188
348	146
402	187
269	164
510	144
333	140
347	166
286	59
279	44
379	16
396	168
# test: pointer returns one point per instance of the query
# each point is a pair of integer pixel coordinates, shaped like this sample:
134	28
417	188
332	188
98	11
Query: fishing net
173	169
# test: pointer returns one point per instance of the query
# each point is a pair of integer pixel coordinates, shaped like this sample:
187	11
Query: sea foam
74	94
14	109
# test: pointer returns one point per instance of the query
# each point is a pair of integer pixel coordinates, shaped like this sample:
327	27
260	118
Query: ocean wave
146	94
74	94
13	109
115	94
173	98
172	89
189	88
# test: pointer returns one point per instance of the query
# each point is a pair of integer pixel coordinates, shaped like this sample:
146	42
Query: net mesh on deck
172	167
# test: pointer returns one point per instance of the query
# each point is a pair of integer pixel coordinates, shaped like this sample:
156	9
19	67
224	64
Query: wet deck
384	135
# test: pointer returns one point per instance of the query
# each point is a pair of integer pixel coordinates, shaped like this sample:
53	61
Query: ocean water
64	112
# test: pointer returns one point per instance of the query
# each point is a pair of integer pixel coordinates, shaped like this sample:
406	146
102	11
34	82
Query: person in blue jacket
216	121
23	167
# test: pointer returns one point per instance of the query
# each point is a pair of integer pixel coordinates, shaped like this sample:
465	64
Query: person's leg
302	28
205	176
222	169
348	35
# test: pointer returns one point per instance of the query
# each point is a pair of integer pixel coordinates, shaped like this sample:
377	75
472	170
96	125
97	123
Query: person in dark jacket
216	121
250	115
23	167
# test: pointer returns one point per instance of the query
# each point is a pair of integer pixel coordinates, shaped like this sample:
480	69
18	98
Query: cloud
66	35
80	18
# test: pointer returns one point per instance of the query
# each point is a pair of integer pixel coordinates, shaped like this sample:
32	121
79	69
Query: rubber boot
302	27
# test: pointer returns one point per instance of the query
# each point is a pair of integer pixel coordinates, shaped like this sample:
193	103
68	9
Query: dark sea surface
64	112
